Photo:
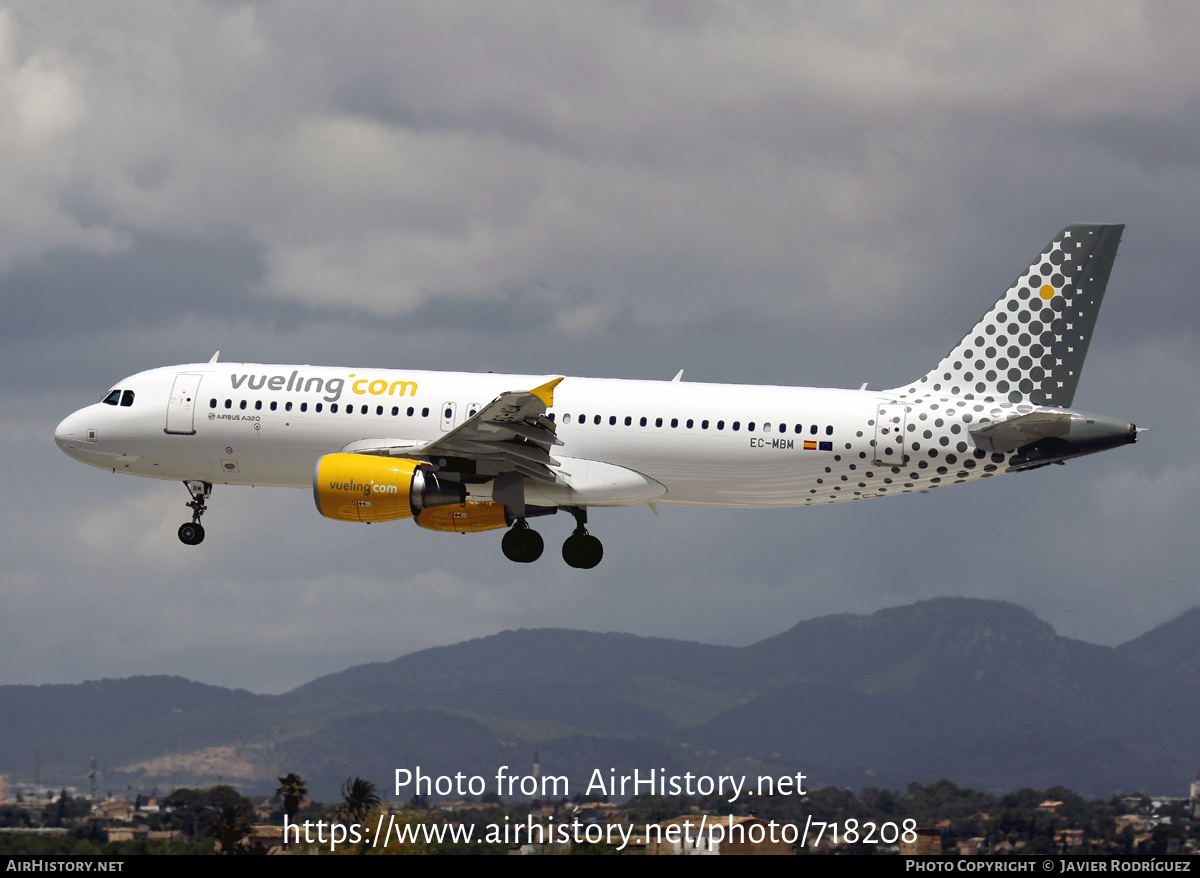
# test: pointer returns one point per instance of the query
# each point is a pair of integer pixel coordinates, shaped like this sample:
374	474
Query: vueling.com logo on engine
364	488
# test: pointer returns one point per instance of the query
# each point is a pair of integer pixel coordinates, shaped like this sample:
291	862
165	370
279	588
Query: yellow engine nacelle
362	487
469	518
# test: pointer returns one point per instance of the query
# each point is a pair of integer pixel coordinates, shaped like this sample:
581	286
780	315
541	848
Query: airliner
465	453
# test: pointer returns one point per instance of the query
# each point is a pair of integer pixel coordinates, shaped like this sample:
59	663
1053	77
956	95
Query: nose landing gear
192	533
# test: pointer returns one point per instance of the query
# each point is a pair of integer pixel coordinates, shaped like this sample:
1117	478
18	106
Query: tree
195	811
358	798
230	829
292	790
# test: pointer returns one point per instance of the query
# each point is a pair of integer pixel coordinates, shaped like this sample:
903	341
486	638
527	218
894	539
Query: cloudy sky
783	193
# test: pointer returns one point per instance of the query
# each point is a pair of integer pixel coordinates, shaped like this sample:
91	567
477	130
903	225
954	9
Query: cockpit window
113	398
127	398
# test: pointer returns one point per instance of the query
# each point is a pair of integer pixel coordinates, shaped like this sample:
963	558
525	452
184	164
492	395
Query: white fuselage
697	444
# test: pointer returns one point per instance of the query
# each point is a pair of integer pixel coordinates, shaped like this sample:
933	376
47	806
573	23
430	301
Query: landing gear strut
192	532
581	549
522	543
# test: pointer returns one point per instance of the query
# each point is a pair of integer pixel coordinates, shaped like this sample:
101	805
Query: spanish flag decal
810	446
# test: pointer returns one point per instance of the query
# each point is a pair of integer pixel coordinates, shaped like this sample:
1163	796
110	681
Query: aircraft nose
68	433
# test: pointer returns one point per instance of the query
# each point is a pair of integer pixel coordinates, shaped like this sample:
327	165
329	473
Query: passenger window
410	411
628	421
258	405
303	406
737	425
767	427
212	403
799	428
242	405
704	425
395	410
674	422
365	409
658	422
379	410
425	413
287	406
783	428
274	405
566	419
749	427
612	420
332	408
229	403
813	429
829	430
689	423
550	416
113	398
643	422
720	425
596	420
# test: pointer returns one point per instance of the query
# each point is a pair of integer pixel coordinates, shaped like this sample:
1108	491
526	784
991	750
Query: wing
512	431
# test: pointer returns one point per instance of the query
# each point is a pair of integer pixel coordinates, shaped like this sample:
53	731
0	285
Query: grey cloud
156	280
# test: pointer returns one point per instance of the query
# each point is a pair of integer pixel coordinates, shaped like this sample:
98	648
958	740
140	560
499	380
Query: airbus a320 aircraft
464	453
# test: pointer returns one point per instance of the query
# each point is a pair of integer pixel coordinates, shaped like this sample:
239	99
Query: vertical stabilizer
1031	345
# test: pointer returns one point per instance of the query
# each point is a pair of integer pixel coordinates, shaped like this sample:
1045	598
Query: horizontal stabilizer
1015	432
1042	437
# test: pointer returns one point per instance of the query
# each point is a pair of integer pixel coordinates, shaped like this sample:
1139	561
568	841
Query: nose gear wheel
191	534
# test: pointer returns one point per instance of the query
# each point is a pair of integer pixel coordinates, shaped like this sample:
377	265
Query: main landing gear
522	543
581	549
525	545
192	532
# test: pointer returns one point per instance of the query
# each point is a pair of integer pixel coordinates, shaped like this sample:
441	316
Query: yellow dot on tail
1047	292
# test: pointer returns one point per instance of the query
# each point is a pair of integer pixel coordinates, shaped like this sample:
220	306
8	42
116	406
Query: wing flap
539	474
537	434
530	453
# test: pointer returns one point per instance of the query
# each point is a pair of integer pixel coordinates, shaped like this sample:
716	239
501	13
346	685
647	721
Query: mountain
1170	644
981	692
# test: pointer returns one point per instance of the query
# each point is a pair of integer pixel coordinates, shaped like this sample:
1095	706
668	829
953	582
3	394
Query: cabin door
181	407
890	434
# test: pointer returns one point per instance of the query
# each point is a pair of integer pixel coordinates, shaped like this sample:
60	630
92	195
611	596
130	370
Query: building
928	842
